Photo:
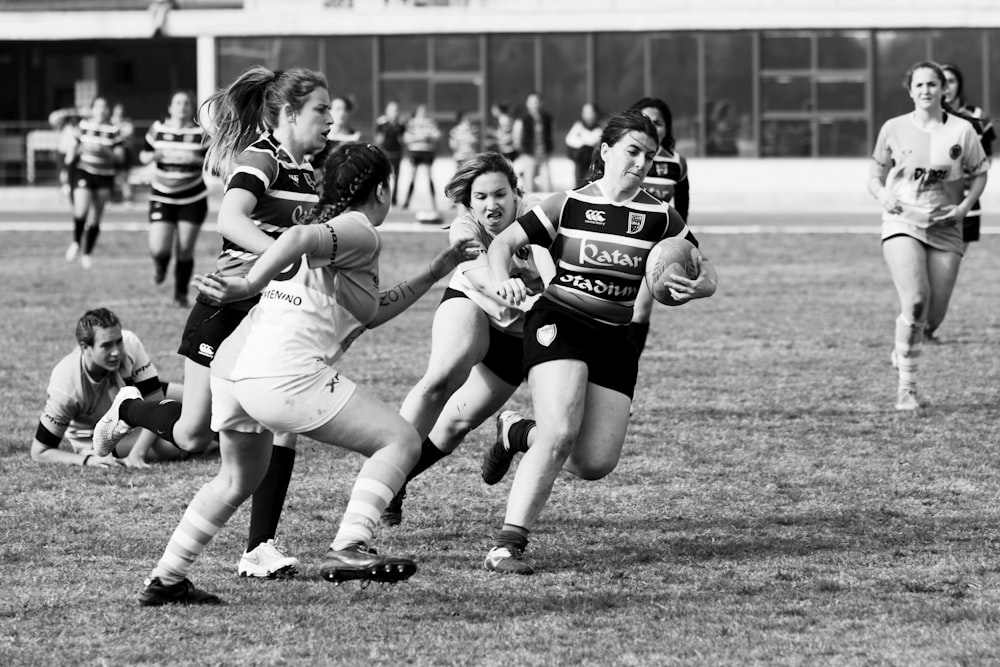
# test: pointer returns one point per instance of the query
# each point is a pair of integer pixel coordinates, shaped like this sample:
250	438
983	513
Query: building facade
750	78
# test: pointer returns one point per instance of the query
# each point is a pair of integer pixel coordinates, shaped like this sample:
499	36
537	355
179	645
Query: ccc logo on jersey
594	216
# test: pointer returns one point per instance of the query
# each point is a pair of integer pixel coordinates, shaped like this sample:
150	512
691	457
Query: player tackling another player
581	368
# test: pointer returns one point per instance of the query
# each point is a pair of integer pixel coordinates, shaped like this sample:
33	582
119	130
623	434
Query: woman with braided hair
261	129
319	287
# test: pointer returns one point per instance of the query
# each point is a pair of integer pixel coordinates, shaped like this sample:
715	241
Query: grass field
770	507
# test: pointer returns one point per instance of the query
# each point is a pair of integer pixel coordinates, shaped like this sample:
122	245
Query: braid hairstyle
235	116
669	141
617	126
459	188
350	175
98	318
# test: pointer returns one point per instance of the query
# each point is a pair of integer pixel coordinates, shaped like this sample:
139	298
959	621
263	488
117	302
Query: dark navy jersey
600	247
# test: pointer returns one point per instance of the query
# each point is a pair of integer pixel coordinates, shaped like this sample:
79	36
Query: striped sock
909	336
377	483
204	517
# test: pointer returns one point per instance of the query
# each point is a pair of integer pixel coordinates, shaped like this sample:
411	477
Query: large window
814	93
619	69
728	103
674	78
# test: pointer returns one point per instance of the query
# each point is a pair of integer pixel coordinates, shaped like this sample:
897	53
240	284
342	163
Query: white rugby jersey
926	168
309	314
179	156
76	401
472	276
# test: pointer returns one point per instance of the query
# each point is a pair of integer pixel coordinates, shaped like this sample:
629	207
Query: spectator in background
95	154
421	140
123	188
389	129
65	122
502	132
954	97
108	363
341	131
463	139
583	137
533	138
722	129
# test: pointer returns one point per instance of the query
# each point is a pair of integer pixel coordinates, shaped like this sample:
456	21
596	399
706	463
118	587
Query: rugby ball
671	256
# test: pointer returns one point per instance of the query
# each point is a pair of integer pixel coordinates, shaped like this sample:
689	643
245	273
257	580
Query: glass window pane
564	71
787	93
786	51
993	103
786	138
728	94
236	54
843	50
618	65
404	53
512	69
452	97
964	49
833	95
844	138
897	51
349	68
674	63
456	53
408	92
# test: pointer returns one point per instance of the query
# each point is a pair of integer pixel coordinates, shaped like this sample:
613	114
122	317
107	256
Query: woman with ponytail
319	287
261	129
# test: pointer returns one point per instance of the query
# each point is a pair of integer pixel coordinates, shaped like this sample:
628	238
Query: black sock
90	238
156	416
160	263
182	277
78	224
517	435
511	536
637	332
429	455
269	498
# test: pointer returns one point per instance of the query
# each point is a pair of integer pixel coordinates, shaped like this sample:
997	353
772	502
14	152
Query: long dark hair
616	126
669	141
236	115
350	175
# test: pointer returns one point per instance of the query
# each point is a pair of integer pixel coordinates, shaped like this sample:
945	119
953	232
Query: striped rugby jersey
926	168
285	192
600	247
97	143
668	170
179	154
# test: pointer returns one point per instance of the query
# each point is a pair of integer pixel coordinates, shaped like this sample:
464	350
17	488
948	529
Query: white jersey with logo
309	313
926	167
471	278
76	401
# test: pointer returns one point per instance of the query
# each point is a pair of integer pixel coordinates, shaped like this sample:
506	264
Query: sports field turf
770	507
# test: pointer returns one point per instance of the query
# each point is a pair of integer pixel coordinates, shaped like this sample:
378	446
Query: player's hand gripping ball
671	256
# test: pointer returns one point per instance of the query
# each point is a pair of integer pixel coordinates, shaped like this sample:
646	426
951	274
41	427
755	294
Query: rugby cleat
906	400
267	561
155	593
111	429
497	459
72	251
359	562
507	560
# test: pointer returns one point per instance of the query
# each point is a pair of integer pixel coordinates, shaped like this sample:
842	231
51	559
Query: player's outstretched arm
401	296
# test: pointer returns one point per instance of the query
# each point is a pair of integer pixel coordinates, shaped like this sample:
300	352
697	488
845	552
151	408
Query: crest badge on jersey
635	222
546	334
955	152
